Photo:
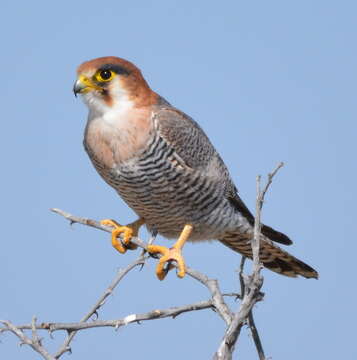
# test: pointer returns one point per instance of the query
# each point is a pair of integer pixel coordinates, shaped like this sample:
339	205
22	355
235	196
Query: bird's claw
168	256
127	232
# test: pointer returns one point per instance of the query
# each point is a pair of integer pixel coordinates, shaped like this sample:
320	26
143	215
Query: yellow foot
128	231
168	255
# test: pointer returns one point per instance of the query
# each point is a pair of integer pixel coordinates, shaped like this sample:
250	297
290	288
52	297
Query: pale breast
117	137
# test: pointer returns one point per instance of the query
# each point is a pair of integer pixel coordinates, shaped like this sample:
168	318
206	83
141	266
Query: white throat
98	109
119	107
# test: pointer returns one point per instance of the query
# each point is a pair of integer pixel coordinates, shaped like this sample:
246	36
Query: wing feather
192	145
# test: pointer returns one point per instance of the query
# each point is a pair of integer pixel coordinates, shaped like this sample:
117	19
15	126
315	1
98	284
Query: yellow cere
89	84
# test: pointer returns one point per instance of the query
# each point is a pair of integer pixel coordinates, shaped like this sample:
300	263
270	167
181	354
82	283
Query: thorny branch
249	296
34	342
211	284
132	318
251	285
94	310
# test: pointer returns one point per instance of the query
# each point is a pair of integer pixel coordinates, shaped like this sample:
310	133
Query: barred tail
271	256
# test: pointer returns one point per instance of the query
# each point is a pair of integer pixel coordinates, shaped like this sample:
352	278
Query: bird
163	165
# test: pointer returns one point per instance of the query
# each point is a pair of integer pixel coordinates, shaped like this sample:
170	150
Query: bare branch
255	335
217	298
76	219
251	285
241	275
120	275
217	302
34	342
97	225
269	182
250	294
233	294
226	347
132	318
211	284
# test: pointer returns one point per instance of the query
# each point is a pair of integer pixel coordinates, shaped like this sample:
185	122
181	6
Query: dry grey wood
65	347
211	284
256	337
250	321
35	342
120	275
226	347
72	328
217	302
250	294
251	284
132	318
217	298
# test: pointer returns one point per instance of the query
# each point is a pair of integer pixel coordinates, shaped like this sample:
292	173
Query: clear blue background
268	81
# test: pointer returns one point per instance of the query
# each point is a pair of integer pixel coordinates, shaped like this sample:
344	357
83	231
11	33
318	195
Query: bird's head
109	82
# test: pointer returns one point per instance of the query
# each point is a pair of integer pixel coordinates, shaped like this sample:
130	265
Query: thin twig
34	342
250	295
270	180
132	318
217	298
255	335
100	302
95	224
251	323
251	285
241	274
233	294
211	284
226	347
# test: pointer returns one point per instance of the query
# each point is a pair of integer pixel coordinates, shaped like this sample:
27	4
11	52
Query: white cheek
120	105
94	102
112	118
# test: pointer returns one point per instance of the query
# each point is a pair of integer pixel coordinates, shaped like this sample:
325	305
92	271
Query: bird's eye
105	75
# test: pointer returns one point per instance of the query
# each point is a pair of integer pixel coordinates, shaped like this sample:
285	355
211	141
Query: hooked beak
84	85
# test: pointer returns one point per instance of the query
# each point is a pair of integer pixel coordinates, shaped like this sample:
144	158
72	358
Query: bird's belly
168	197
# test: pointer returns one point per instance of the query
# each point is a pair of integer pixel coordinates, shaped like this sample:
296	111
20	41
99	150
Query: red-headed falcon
163	165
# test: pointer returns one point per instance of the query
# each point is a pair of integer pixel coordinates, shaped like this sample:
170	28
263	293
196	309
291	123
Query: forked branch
250	285
249	296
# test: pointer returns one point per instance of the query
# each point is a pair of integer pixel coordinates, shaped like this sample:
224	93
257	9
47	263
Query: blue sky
268	81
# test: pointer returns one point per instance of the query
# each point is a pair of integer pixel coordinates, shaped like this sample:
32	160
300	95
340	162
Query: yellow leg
172	254
128	231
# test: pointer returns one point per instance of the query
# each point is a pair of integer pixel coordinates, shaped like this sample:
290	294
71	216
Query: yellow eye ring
104	75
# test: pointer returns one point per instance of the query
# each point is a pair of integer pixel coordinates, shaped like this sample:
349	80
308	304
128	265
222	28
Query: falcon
163	165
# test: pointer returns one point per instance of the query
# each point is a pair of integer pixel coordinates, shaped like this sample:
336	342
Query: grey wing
195	149
192	145
190	142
